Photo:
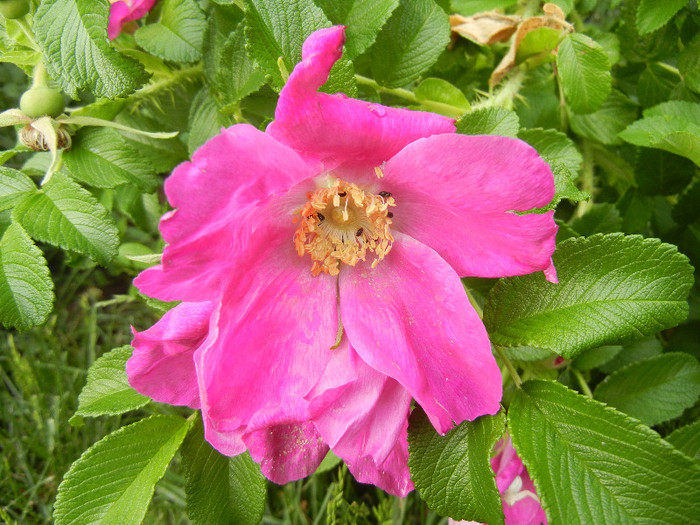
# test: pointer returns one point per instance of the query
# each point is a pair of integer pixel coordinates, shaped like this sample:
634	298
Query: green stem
40	77
581	381
511	369
587	178
670	69
177	77
506	94
405	94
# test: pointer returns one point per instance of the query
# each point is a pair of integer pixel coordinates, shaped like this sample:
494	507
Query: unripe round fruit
12	9
40	101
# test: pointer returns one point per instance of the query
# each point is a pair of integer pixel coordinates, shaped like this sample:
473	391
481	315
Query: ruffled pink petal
456	194
121	12
409	318
276	324
365	422
235	189
287	445
336	129
162	365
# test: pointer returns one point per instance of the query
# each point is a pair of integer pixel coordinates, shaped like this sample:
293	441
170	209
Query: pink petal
162	365
118	15
340	130
410	319
365	423
276	324
455	193
233	191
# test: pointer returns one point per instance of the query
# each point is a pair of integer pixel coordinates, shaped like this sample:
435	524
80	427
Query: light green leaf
652	14
584	73
113	481
554	146
453	472
679	109
471	7
73	37
205	120
237	76
66	215
689	64
668	133
442	92
221	490
362	18
687	440
25	284
278	28
178	34
102	158
612	288
107	391
592	464
410	42
13	117
489	121
14	186
565	188
653	390
616	113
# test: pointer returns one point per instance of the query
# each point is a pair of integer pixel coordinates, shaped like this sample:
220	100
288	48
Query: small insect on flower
309	318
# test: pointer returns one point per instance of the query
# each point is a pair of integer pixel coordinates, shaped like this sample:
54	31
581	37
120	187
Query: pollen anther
344	224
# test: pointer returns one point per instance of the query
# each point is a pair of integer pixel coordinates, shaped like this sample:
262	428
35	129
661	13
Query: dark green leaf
178	34
655	84
611	289
686	210
600	218
489	121
592	464
595	357
687	440
73	37
25	284
616	113
633	352
221	490
668	133
653	390
411	41
689	64
236	75
554	146
661	173
66	215
584	73
453	472
107	391
113	481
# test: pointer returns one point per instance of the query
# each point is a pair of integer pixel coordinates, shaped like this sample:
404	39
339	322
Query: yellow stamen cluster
342	224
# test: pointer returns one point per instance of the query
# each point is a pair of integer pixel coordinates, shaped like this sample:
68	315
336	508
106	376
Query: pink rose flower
123	11
319	267
521	506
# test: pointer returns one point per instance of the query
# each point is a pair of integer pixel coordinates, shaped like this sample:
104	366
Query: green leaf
686	210
616	113
554	146
592	464
655	84
14	186
661	173
410	42
25	284
453	472
564	186
236	75
341	79
221	490
652	14
362	18
653	390
113	481
278	28
107	391
178	34
633	352
489	121
679	109
595	357
73	37
584	73
205	120
612	288
221	22
600	218
101	157
689	64
442	92
64	214
471	7
687	440
668	133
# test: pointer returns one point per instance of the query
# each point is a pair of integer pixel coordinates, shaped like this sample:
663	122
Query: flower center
343	224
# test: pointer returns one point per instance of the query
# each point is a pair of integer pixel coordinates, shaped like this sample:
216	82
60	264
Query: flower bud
35	139
12	9
42	101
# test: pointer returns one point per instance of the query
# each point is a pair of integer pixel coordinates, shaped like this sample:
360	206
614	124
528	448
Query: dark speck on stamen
320	216
342	194
390	214
359	232
384	194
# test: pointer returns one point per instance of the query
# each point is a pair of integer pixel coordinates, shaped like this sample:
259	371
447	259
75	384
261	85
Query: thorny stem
504	97
587	178
177	77
511	369
581	381
405	94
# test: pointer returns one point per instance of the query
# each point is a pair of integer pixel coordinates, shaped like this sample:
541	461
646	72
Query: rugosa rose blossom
318	264
521	506
123	11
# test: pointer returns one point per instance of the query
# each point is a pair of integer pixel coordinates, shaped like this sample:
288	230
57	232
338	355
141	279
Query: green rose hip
40	101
